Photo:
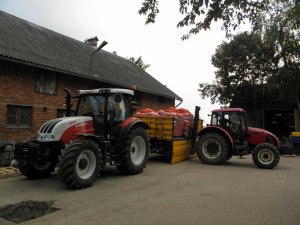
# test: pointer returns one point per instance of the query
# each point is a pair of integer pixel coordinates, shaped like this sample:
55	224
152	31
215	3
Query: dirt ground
185	193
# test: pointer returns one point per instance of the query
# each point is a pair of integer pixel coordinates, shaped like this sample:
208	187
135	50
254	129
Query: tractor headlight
49	137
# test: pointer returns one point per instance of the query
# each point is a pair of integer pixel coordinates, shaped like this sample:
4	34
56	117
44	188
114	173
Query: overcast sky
181	65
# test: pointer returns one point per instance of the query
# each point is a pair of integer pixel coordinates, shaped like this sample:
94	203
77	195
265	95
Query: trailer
164	140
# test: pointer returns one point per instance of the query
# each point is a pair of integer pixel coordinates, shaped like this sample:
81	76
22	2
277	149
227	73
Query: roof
24	42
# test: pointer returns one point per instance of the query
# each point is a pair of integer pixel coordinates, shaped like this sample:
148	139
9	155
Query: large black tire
229	155
265	156
135	153
36	170
212	148
80	164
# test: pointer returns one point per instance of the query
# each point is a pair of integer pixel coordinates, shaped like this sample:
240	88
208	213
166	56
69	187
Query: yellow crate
296	134
161	127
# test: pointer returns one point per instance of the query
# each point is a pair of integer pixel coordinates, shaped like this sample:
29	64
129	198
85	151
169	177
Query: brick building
36	64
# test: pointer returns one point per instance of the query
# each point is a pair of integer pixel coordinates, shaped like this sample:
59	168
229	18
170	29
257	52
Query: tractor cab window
235	123
119	108
243	123
215	118
116	109
232	123
91	105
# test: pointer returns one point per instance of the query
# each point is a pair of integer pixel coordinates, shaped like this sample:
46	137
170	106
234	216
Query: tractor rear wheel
265	156
212	148
135	154
35	170
79	165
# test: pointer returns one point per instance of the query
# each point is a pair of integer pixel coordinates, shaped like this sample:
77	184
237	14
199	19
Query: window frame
19	116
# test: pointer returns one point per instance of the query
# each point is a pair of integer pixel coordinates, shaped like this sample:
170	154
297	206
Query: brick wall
17	87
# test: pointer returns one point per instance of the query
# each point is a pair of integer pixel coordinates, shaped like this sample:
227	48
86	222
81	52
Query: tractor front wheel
79	165
35	170
212	148
134	155
265	156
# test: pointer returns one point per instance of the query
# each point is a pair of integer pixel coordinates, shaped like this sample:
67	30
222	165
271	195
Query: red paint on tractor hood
258	136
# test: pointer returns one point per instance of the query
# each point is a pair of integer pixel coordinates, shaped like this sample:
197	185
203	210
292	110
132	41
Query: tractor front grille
48	127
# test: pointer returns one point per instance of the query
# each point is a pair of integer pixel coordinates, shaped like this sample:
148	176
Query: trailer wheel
36	170
212	148
135	154
265	156
79	165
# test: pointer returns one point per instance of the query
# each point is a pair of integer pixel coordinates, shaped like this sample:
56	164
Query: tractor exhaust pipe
68	102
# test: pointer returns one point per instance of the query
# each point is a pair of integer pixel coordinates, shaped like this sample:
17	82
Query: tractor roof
229	110
106	90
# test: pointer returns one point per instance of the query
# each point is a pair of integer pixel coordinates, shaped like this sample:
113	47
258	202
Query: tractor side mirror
118	97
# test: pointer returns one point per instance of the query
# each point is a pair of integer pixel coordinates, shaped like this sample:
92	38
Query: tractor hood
65	128
257	136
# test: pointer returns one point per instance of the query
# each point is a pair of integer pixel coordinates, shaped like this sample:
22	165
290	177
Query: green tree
139	61
199	14
263	66
279	28
244	61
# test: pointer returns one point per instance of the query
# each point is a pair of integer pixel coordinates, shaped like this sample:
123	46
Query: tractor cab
108	108
232	120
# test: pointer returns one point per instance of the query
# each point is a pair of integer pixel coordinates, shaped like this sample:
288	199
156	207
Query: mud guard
219	130
127	125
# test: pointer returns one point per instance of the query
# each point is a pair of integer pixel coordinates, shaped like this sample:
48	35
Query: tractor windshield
91	104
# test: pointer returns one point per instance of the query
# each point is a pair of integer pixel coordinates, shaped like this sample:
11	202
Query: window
19	116
46	83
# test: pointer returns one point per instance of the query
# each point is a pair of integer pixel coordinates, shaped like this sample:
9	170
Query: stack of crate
295	139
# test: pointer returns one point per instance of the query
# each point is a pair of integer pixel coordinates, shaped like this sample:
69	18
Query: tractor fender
219	130
91	137
127	125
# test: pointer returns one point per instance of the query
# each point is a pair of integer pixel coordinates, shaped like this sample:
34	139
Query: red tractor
228	135
103	131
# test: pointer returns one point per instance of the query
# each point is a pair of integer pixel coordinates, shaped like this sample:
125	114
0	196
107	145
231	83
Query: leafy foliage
139	62
244	61
199	14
